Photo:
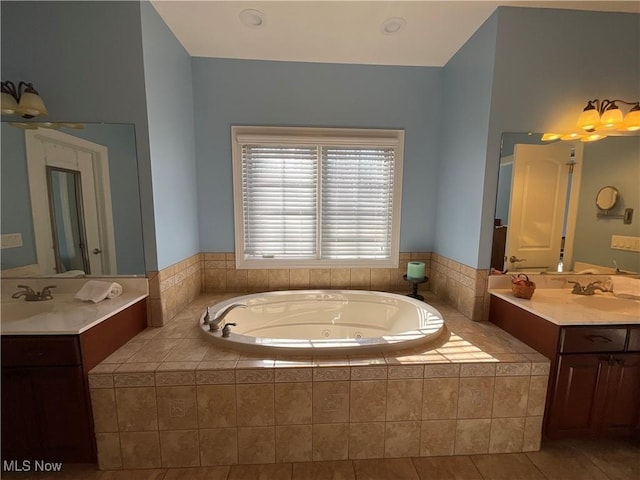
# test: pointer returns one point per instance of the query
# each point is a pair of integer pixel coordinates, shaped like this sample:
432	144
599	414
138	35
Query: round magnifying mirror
606	198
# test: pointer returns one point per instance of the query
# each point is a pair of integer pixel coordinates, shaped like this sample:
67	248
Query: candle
415	270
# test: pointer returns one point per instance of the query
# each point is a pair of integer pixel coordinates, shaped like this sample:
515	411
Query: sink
22	310
609	303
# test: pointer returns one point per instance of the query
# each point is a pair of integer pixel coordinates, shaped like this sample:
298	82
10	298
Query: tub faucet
32	296
214	324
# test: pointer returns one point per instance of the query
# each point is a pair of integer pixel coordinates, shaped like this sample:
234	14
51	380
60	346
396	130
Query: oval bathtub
325	322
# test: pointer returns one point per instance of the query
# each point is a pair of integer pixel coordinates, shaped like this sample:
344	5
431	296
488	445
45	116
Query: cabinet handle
598	339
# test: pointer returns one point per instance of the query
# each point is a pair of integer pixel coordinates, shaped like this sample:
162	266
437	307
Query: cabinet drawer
32	351
593	339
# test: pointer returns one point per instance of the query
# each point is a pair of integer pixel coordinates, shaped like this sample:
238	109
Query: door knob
514	259
96	251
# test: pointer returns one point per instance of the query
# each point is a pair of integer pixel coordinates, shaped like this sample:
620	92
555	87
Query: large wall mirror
70	201
546	216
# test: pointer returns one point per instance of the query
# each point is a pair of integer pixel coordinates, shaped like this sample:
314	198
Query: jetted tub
325	322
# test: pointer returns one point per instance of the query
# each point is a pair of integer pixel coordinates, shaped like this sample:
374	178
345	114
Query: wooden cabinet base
594	379
46	408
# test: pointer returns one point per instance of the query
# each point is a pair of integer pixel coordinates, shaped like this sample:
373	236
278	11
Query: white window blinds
279	194
312	199
357	202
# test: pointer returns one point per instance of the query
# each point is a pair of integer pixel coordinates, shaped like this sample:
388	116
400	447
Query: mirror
545	220
70	201
606	198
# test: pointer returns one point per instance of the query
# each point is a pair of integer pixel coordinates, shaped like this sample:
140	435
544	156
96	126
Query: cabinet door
63	414
622	400
577	396
20	436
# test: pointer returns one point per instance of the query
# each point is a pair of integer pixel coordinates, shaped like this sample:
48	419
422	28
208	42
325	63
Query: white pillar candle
415	270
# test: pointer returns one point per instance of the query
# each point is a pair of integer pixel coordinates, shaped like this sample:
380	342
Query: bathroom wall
168	83
249	92
548	63
167	70
467	91
85	59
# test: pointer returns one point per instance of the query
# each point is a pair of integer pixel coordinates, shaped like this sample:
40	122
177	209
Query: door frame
99	166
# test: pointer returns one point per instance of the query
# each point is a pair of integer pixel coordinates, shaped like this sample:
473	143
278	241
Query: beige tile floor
557	460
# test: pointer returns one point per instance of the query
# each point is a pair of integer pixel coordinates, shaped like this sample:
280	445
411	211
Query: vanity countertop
561	307
64	315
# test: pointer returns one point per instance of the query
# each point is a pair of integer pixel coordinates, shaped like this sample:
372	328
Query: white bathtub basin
326	322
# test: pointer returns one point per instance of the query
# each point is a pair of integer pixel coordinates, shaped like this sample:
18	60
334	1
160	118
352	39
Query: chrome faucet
589	289
32	296
214	324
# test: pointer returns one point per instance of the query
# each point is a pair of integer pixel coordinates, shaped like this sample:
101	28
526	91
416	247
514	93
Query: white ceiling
341	31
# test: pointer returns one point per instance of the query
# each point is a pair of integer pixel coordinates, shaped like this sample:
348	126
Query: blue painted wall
245	92
524	70
85	59
167	68
616	162
548	63
468	83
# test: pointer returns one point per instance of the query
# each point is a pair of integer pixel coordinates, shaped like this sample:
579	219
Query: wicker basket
522	287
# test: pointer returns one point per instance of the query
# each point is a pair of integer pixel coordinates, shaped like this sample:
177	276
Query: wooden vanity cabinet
597	383
46	407
594	380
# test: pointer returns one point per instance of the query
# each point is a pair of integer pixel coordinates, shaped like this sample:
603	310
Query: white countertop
561	307
64	315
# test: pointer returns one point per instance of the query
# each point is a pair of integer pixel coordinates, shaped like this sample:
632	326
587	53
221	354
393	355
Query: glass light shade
572	136
547	137
9	104
588	119
31	105
611	118
592	137
631	121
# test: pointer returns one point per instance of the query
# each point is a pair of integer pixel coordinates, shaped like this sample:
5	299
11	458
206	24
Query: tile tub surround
168	398
173	288
219	274
460	286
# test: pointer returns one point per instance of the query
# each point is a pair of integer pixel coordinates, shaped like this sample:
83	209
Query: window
310	197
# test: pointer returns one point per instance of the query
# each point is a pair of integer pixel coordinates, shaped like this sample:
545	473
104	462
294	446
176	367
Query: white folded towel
96	291
626	287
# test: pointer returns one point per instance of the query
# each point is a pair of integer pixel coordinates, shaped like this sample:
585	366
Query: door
622	401
575	404
50	151
537	207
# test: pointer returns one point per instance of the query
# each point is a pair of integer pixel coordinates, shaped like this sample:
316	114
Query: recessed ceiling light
393	25
252	18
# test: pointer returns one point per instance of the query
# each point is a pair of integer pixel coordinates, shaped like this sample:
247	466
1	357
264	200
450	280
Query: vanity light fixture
24	100
606	115
599	118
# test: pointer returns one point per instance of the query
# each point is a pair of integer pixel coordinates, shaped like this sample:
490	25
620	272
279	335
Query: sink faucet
589	289
32	296
214	324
